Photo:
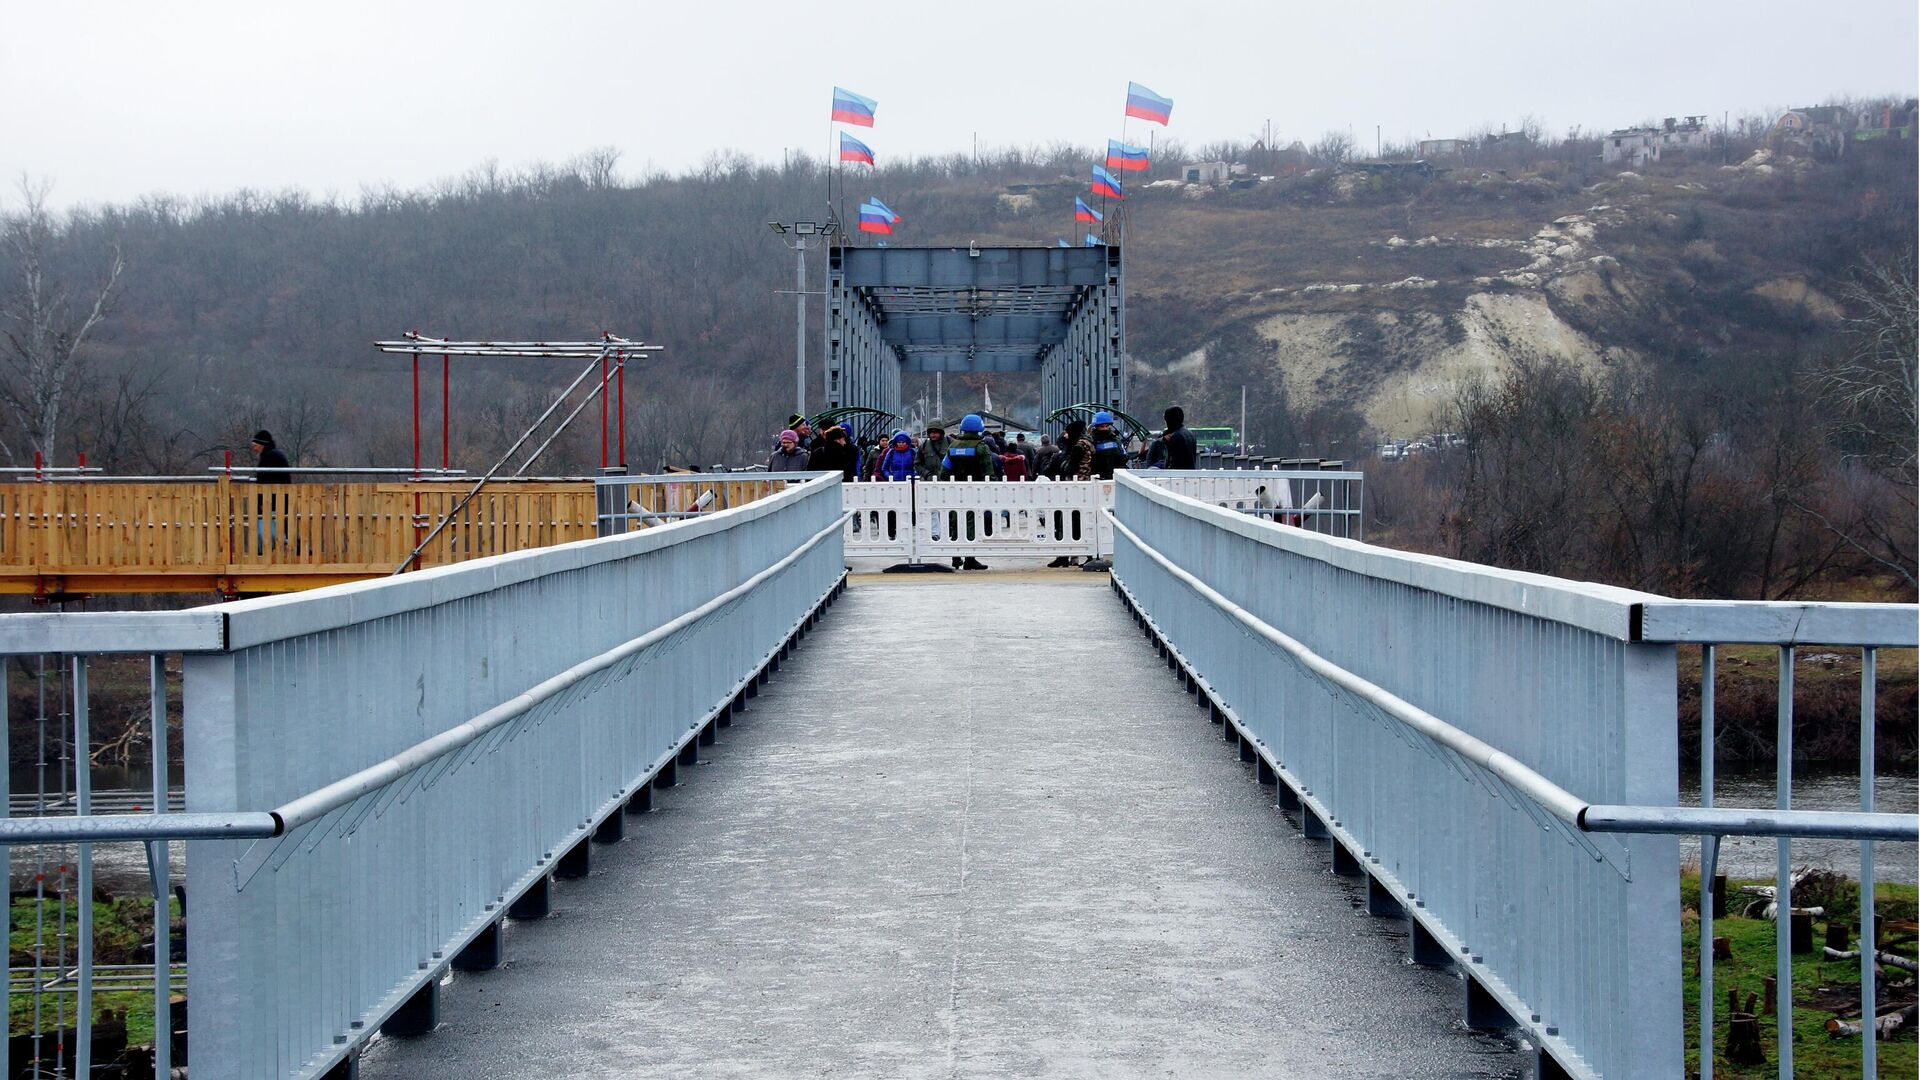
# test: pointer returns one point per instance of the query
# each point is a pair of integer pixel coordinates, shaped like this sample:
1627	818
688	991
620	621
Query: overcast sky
111	101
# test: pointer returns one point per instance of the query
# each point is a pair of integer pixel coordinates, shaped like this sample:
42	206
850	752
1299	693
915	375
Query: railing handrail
1523	779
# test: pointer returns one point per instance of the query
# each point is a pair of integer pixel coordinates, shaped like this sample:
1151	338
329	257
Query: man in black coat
835	453
1183	452
272	463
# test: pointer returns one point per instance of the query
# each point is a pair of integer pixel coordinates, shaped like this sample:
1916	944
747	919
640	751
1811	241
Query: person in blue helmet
1109	453
968	457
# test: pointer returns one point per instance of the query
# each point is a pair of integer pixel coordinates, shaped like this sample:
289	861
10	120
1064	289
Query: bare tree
1333	148
42	367
1869	389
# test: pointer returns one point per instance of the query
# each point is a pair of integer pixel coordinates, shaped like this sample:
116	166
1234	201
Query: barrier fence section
378	773
1043	519
1433	719
105	535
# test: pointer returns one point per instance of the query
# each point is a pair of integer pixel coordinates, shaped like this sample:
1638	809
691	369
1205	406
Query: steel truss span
1059	312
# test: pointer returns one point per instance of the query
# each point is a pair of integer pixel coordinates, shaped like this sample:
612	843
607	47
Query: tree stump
1719	896
1800	933
1839	934
1768	987
1722	948
1743	1033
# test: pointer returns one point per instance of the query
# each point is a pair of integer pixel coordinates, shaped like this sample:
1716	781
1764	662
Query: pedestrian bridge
679	799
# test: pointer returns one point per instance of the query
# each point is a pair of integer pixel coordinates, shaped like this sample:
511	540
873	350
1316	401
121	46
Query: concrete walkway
974	829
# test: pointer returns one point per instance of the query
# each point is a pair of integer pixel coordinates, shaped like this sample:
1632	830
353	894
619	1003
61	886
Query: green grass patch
1821	987
123	928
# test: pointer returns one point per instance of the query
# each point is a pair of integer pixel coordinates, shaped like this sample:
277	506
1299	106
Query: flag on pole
986	399
1147	105
1083	212
1092	240
851	108
1105	184
852	149
1061	243
877	217
1126	158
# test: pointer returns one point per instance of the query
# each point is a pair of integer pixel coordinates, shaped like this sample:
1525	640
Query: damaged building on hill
1634	148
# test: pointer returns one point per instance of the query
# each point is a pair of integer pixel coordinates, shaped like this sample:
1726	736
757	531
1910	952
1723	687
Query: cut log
1767	987
1743	1033
1722	948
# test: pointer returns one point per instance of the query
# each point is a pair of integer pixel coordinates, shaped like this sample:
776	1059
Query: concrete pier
973	828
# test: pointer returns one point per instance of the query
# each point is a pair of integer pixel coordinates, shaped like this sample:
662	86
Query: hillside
1686	303
1367	308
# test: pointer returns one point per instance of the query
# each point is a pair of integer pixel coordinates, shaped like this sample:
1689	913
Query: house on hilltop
1819	131
1211	172
1888	121
1440	149
1633	148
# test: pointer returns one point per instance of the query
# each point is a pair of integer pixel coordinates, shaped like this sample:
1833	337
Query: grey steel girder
1057	311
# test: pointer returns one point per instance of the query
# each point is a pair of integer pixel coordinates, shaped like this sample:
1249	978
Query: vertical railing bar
162	880
83	804
1869	946
1709	862
1783	871
1709	856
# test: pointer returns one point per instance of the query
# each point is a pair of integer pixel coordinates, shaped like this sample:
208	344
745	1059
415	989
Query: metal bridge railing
1495	752
377	774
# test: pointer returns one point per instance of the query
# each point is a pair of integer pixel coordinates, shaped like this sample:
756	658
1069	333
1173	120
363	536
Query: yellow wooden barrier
234	537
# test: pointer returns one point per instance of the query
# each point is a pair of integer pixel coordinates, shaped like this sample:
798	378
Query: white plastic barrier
941	519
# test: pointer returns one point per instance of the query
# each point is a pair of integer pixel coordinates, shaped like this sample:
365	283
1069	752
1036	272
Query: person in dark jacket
788	457
835	453
1046	459
271	460
898	461
1076	452
970	457
1109	453
933	450
271	468
1183	451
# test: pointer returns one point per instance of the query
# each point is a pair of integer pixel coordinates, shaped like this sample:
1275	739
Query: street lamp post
800	231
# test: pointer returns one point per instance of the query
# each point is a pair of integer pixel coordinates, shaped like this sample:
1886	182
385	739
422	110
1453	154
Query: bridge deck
974	829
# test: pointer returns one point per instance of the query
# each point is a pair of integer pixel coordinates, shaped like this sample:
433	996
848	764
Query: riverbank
1826	705
1823	989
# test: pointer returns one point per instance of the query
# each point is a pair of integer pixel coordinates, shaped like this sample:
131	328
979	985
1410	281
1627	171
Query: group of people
1086	451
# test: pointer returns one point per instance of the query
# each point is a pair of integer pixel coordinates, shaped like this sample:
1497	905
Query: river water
1814	788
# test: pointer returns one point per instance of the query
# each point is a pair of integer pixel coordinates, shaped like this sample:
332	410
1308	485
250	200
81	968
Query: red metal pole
446	415
37	464
227	461
416	412
83	459
620	376
603	411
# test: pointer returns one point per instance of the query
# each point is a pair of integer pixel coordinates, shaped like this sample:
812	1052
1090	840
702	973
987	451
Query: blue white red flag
1092	240
1147	105
1104	184
877	217
852	149
1126	158
1083	212
851	108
